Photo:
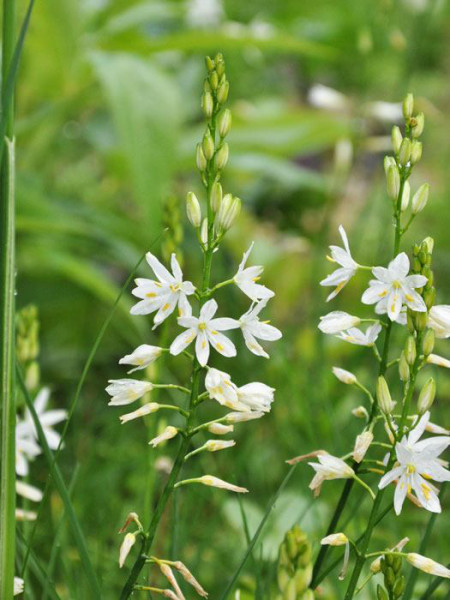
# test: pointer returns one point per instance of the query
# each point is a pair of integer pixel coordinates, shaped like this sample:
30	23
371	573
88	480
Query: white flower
126	391
26	448
358	337
47	419
207	331
219	483
328	468
28	491
393	287
241	417
253	328
220	429
216	445
25	515
141	357
440	361
142	411
362	444
339	539
256	396
128	542
341	276
246	279
18	586
344	376
417	463
221	388
168	433
439	320
337	321
163	295
427	565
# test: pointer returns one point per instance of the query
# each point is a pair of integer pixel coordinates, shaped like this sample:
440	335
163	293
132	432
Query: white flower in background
165	294
358	337
18	586
126	391
204	13
329	467
25	515
256	396
26	448
327	98
47	418
28	491
393	287
168	433
337	321
128	542
246	279
142	411
344	376
252	328
220	387
417	462
362	444
439	320
440	361
341	276
427	565
219	483
207	331
141	357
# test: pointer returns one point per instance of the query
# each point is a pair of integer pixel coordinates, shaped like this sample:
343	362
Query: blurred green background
108	116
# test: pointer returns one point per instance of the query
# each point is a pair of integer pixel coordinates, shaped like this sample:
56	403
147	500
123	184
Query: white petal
208	311
399	267
176	269
159	269
224	324
222	344
182	341
202	348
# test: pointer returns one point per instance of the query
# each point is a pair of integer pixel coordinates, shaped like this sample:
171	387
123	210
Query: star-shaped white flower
126	391
26	448
337	321
439	320
341	276
360	338
165	294
252	328
257	396
246	279
393	288
417	463
47	418
206	331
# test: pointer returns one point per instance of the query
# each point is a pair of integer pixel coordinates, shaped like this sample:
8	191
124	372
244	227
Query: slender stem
7	366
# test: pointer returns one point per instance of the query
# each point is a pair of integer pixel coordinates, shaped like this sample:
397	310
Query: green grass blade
255	538
64	494
37	568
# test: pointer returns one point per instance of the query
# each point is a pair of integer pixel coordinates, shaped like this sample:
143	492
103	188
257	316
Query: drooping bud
224	123
393	182
221	157
416	152
193	210
408	106
428	342
417	123
410	350
207	104
208	145
384	396
228	212
405	196
201	160
128	542
360	412
404	152
420	199
426	396
403	368
216	196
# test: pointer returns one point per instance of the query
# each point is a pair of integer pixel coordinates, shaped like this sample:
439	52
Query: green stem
7	365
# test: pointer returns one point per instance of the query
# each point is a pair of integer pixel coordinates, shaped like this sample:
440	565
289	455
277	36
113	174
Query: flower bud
128	542
362	444
429	243
408	106
194	212
405	196
216	445
224	122
405	152
381	593
228	212
397	138
335	539
360	412
417	125
208	145
403	368
393	182
410	350
201	160
220	429
344	376
222	92
216	196
426	396
416	152
389	161
204	232
220	63
207	104
221	157
214	80
420	320
209	63
428	342
429	297
384	397
420	199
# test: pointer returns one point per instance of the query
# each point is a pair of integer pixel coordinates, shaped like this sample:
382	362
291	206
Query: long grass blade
37	568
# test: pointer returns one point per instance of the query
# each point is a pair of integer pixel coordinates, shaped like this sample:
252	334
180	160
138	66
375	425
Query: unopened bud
393	182
228	212
224	122
416	152
220	429
216	196
194	212
221	157
204	232
389	161
362	444
207	104
420	320
428	342
420	199
384	397
410	350
405	196
220	63
360	412
128	542
344	376
405	151
214	80
397	138
403	368
201	160
408	106
429	243
381	593
209	63
208	145
222	92
426	396
417	123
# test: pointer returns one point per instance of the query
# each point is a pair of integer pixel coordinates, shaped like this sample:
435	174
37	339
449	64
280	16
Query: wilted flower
128	542
246	279
126	391
427	565
329	467
168	433
142	411
340	277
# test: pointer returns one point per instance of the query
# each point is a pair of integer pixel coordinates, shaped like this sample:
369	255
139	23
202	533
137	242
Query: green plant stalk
7	341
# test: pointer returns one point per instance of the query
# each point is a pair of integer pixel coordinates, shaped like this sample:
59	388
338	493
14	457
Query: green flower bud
209	63
408	106
423	257
410	321
410	350
426	396
220	64
228	212
428	342
381	593
429	242
214	80
417	124
207	104
420	199
396	564
399	587
405	152
420	320
389	161
393	182
384	397
208	145
403	368
405	196
32	376
201	160
221	158
194	212
224	123
397	139
216	196
389	577
416	152
222	92
430	297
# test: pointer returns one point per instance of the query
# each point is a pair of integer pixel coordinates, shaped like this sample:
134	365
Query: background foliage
108	117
